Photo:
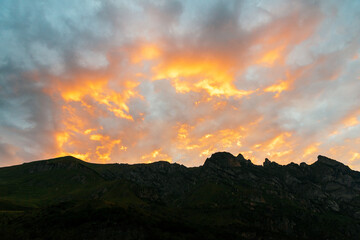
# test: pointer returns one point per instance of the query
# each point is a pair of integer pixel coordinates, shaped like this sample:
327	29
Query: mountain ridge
228	197
222	156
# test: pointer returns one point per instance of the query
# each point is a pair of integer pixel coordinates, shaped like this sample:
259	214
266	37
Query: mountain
227	198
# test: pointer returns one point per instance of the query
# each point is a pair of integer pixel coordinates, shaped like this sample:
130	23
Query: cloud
139	81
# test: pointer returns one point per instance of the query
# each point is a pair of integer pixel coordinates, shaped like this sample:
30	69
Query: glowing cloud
189	74
142	81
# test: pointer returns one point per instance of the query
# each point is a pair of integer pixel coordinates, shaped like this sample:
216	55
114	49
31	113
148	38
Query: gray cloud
147	80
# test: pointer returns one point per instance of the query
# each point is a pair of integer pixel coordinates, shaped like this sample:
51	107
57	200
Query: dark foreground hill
226	198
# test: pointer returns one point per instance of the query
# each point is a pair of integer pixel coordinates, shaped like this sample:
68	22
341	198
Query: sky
143	81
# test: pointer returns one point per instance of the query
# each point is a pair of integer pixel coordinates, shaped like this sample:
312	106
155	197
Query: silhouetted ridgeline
227	198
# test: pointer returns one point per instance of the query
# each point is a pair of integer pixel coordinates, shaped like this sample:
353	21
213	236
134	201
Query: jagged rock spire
225	159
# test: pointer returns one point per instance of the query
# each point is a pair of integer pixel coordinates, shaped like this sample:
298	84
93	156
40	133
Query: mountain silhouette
228	197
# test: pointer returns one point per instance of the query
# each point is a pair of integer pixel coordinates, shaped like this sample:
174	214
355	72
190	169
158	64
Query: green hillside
227	198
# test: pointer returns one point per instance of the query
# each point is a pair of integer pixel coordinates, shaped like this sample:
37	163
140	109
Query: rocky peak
268	163
225	159
328	161
325	161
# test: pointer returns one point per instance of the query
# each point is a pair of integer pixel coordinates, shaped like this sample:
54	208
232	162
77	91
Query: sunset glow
178	81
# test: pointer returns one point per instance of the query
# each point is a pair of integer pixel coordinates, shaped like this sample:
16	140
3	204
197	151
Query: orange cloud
145	52
311	149
270	57
83	101
351	121
210	76
277	88
164	92
192	74
158	82
156	155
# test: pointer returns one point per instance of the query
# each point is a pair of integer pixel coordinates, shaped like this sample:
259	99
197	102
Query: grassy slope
69	198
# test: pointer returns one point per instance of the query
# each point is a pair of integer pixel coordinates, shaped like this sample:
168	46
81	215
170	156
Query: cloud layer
140	81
